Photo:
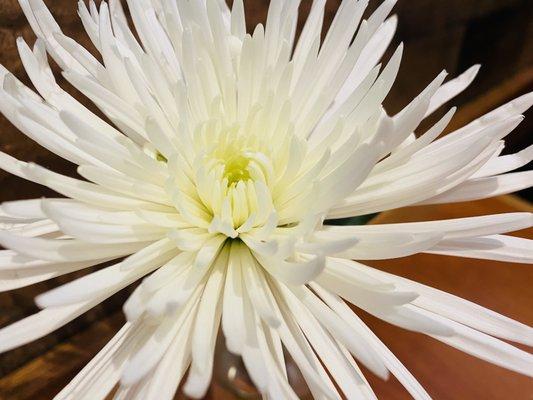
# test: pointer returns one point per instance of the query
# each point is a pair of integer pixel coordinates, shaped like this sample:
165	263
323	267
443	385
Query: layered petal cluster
212	179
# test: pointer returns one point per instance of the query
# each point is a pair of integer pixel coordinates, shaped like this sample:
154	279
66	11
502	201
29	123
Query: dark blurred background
451	35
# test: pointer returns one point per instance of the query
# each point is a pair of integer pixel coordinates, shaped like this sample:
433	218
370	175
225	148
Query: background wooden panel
453	35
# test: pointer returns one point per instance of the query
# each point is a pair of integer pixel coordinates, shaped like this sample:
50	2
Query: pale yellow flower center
236	169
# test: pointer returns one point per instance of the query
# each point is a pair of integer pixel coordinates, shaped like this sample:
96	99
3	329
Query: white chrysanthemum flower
226	156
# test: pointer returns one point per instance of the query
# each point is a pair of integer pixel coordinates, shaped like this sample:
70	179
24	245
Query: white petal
460	310
65	250
402	154
392	363
108	279
124	184
489	349
38	271
452	88
482	188
340	331
294	272
110	233
30	209
44	228
257	287
205	331
370	56
511	109
232	315
450	228
379	246
297	346
325	347
146	358
172	367
495	247
367	298
42	323
501	165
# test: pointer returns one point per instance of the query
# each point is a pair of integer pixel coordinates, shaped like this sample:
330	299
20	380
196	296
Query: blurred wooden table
446	373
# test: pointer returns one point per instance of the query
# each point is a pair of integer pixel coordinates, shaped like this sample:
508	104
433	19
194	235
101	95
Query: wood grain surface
452	35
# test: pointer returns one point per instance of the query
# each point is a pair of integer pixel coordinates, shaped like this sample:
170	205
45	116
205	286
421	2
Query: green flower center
236	169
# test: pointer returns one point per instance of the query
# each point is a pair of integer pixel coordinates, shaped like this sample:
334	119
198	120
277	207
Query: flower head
224	158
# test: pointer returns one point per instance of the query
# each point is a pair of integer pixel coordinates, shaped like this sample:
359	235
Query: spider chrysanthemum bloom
225	156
